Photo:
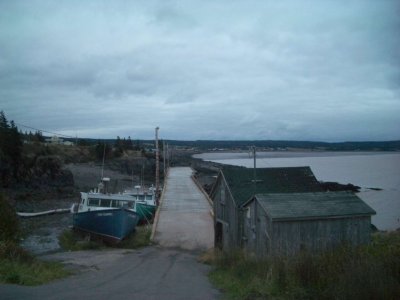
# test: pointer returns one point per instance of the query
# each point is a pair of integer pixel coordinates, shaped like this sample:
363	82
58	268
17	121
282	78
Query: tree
10	149
129	144
102	150
15	148
38	137
3	131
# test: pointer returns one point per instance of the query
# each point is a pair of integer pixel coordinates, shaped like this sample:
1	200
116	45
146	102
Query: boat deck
184	219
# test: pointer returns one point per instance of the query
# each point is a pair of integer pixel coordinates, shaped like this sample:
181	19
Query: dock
183	219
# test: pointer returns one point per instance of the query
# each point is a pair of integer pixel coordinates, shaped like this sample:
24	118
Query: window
248	213
93	202
128	204
105	203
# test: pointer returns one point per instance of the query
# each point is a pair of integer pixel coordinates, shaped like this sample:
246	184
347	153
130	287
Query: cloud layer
304	70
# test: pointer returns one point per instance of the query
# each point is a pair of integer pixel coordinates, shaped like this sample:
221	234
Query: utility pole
157	165
164	152
255	166
254	170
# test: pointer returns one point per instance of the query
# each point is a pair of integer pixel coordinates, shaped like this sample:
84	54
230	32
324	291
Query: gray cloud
203	70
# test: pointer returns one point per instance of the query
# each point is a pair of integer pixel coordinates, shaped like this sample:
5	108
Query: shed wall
226	213
290	237
264	237
257	230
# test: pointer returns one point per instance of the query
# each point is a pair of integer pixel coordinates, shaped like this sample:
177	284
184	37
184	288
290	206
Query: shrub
12	251
9	227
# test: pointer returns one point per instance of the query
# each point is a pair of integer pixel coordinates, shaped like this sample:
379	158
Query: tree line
10	150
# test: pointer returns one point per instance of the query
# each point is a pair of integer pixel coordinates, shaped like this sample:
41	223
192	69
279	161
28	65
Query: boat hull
112	225
145	211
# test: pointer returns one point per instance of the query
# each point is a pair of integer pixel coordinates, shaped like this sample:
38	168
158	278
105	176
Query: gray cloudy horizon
280	70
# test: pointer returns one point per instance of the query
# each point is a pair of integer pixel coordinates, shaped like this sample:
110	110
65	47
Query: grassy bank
73	241
367	272
17	266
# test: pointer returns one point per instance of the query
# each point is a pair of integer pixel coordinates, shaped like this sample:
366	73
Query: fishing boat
145	201
109	216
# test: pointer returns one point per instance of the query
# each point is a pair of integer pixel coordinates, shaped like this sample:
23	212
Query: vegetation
138	239
10	150
9	227
73	241
17	265
367	272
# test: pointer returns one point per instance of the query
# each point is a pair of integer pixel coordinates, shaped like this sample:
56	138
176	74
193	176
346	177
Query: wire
59	134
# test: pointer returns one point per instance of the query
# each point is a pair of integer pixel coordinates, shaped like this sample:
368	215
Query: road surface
148	273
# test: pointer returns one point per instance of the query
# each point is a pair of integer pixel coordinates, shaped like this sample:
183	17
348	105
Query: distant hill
271	144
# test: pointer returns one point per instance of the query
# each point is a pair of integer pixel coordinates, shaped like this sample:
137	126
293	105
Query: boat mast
102	166
157	164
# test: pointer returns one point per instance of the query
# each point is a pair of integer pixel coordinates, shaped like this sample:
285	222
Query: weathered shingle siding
290	237
226	213
265	236
257	231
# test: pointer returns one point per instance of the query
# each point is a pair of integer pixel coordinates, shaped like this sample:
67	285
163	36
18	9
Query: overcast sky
287	70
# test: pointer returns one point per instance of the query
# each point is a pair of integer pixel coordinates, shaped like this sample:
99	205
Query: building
236	185
285	224
55	140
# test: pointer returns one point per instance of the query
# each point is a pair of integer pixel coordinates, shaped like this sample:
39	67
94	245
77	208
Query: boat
145	201
112	217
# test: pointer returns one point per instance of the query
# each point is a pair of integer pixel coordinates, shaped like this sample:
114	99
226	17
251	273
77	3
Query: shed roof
269	180
313	205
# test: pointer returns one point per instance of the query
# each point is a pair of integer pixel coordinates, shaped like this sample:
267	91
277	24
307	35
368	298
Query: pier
183	219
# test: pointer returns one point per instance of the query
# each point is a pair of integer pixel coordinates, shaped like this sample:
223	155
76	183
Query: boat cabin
92	201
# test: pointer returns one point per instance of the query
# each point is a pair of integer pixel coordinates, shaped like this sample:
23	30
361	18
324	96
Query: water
365	169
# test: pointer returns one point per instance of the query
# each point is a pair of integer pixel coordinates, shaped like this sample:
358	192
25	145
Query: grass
17	266
72	241
367	272
138	239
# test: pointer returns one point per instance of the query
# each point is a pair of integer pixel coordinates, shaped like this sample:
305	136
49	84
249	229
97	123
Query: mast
157	163
102	166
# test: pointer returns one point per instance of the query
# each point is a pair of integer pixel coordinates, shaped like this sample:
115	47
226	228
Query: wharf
184	220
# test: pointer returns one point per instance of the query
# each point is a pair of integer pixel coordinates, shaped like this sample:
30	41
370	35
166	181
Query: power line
58	134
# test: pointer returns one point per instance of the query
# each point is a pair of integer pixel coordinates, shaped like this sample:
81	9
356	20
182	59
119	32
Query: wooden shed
284	224
236	185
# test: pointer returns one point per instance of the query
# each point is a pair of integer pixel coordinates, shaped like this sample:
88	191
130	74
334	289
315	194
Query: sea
377	173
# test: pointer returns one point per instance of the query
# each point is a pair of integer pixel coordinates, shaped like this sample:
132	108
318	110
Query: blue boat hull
112	225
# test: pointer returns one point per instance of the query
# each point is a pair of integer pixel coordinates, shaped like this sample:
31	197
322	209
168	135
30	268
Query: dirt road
148	273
